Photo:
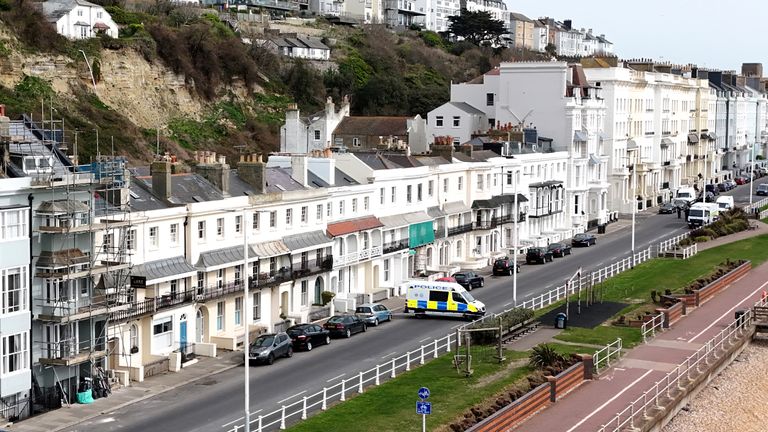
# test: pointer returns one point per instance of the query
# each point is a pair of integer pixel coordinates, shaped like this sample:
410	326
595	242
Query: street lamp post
634	204
246	345
752	175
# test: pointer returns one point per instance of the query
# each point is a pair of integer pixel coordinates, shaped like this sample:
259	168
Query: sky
718	34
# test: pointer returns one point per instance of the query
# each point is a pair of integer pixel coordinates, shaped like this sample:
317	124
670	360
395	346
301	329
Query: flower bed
730	222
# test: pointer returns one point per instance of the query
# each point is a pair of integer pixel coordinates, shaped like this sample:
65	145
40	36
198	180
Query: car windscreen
336	320
696	213
295	332
363	310
459	276
468	297
264	341
683	194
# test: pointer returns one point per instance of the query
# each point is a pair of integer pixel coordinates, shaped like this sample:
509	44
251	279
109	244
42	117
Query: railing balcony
354	257
312	267
460	229
395	246
73	309
70	352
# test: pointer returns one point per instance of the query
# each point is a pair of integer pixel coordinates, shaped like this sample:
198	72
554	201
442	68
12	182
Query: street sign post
423	407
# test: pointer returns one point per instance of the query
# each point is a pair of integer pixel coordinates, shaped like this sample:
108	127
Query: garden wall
704	294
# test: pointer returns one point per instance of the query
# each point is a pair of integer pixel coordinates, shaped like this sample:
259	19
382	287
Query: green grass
391	406
602	335
566	349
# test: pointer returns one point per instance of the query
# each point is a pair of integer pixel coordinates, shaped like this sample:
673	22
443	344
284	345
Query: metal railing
750	209
344	388
395	246
312	267
611	351
675	380
650	327
461	229
670	244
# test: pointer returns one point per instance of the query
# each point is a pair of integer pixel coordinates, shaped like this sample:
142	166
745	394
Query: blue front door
183	334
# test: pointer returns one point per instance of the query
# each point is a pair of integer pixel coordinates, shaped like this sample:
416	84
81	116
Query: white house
299	46
313	132
79	19
459	120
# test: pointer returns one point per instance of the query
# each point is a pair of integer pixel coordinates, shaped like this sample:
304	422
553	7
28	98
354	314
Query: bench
519	330
752	227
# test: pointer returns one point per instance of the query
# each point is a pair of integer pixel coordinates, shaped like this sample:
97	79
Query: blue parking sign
424	393
424	408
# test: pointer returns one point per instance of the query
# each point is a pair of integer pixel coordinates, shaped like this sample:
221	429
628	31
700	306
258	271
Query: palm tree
544	355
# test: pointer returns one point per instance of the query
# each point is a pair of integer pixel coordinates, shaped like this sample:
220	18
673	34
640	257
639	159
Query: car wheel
309	346
348	334
365	328
270	359
511	272
482	283
327	340
289	354
375	323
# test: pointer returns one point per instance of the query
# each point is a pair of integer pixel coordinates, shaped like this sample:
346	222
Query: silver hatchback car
267	347
373	313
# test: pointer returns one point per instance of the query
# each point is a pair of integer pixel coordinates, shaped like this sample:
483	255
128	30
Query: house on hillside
459	120
299	46
79	19
382	133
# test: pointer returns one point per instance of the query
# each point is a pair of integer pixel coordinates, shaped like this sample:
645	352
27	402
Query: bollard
377	375
421	361
304	409
259	429
343	391
360	385
435	355
282	419
325	392
392	375
408	361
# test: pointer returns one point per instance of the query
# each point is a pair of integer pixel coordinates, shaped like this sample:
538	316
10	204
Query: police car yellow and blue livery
441	298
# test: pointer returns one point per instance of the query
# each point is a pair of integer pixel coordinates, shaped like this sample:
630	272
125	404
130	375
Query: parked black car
722	187
559	250
308	336
503	266
538	255
469	280
668	208
584	239
267	347
713	189
345	325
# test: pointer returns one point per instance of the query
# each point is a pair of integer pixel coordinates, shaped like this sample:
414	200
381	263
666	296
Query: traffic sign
423	408
423	393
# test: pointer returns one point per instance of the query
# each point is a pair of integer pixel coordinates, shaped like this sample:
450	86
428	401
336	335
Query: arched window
458	248
134	338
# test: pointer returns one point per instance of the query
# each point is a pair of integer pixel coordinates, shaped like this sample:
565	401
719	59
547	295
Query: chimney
567	24
214	169
299	169
323	166
161	178
330	108
253	171
467	149
443	147
747	69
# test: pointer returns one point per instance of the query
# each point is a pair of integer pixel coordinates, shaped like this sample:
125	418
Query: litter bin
601	229
561	321
739	316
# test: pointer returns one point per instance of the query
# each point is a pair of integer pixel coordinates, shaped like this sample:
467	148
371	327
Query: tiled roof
373	126
169	268
353	225
225	257
308	240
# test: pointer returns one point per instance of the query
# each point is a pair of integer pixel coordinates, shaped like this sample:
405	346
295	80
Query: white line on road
507	304
528	295
233	421
728	312
390	354
335	378
456	326
608	401
291	397
599	264
425	339
614	257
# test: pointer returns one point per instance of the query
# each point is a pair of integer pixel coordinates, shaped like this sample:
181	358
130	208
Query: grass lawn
392	405
602	335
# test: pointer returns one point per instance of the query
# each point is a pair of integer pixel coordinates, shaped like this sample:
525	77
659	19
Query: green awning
420	234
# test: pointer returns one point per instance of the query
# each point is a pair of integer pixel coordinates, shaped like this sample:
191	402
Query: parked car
559	250
373	313
345	325
308	336
503	266
469	280
267	347
668	208
712	188
722	187
762	189
741	180
538	255
681	204
730	184
584	239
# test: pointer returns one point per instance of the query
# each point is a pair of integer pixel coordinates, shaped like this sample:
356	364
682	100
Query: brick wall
704	294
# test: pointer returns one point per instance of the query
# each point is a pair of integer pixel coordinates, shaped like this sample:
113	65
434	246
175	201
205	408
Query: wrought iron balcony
312	267
460	229
395	246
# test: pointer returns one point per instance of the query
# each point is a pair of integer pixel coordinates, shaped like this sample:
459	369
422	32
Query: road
216	403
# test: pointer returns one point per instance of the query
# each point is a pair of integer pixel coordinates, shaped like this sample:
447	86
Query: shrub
327	296
544	356
701	239
508	319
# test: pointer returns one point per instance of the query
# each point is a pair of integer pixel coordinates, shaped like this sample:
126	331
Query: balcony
354	257
69	352
77	308
312	267
665	185
460	229
395	246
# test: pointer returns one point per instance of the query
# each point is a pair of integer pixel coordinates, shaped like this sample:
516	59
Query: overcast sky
712	33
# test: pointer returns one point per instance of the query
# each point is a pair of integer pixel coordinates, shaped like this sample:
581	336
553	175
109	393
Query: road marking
614	257
335	378
425	339
507	304
390	354
456	326
728	312
233	421
529	294
291	397
608	401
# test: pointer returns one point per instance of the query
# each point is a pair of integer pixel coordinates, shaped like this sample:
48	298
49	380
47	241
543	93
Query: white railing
611	351
750	209
650	327
677	379
344	388
354	257
670	243
763	214
690	251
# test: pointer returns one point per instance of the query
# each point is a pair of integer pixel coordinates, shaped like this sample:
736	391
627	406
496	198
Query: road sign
423	408
423	393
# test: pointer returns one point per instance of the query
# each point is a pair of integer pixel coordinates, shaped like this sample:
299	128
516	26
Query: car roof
368	304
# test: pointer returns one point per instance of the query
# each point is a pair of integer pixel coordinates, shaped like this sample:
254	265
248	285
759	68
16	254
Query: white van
725	203
702	214
441	298
686	194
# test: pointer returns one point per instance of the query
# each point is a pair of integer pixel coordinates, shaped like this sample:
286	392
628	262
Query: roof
547	183
631	144
579	136
498	201
215	259
312	42
519	17
353	225
436	212
456	207
373	126
62	258
593	160
467	108
164	269
693	138
308	240
270	249
55	9
405	219
665	142
63	206
477	156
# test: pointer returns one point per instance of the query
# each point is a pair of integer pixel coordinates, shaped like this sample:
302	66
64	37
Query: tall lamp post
751	175
634	204
515	245
246	305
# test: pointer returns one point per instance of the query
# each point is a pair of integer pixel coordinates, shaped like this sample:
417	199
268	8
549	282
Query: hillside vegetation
232	95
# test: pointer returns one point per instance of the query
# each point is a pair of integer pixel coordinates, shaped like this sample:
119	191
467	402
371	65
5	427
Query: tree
476	27
551	49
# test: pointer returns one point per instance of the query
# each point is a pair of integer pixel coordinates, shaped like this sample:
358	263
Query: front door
183	332
199	326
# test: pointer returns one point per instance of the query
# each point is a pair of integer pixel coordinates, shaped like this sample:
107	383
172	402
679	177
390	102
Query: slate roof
270	249
373	126
308	240
169	268
55	9
405	219
456	207
498	201
519	17
225	257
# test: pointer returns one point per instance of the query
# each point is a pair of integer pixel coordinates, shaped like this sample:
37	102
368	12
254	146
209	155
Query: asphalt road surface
216	403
